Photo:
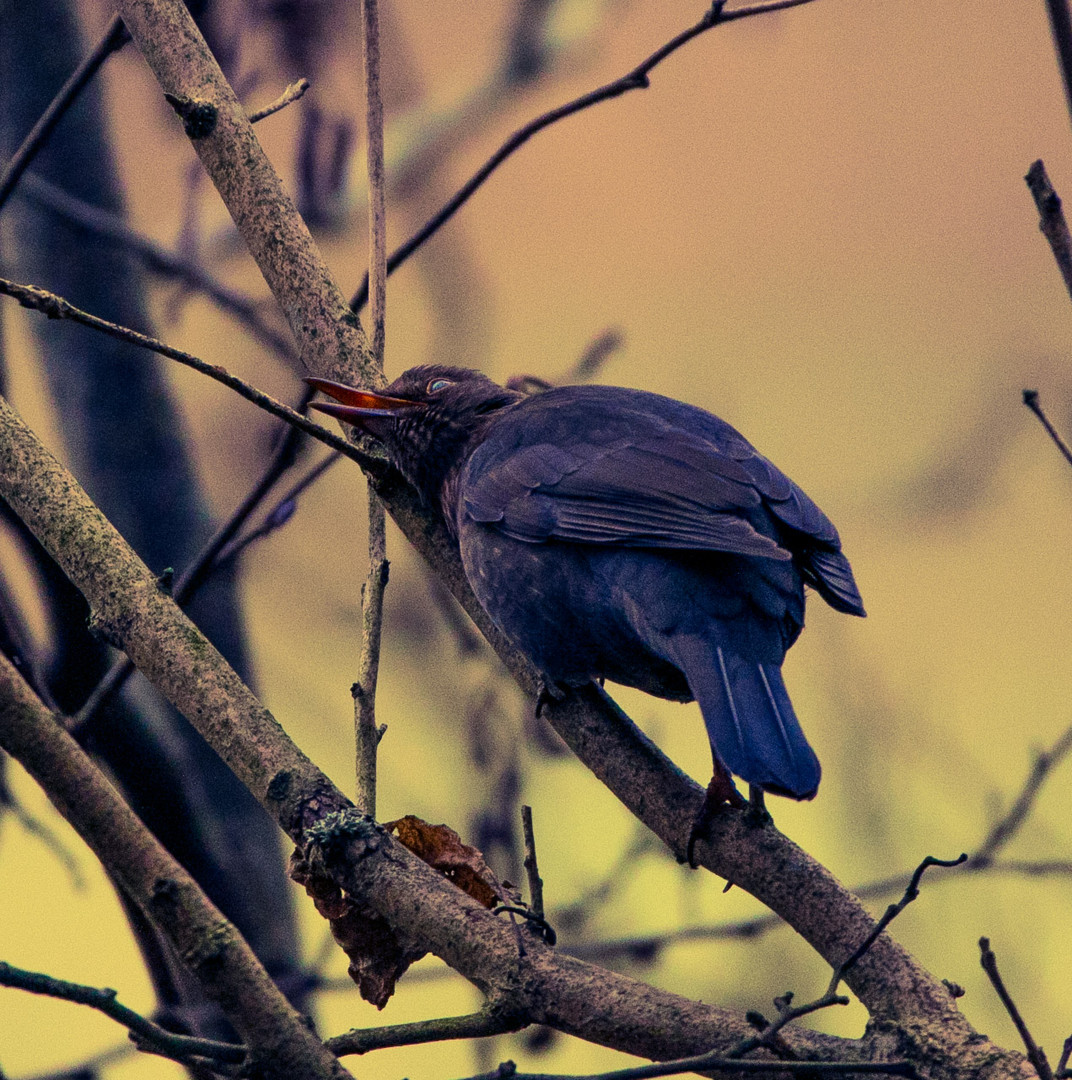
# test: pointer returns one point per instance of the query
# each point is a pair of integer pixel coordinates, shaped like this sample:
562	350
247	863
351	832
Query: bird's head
425	419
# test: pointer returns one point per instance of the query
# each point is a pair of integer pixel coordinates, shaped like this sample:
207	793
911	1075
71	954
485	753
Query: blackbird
612	533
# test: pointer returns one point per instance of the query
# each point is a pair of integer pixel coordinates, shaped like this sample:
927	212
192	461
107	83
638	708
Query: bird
616	534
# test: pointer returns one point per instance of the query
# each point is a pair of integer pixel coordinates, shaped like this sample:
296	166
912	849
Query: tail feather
750	720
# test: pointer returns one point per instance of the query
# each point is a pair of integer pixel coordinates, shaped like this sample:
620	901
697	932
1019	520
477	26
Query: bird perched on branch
612	533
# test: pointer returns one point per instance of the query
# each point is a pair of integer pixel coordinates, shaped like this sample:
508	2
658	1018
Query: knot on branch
346	832
198	116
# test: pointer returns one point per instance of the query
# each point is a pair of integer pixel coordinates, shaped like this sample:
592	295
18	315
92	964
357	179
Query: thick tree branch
330	339
223	963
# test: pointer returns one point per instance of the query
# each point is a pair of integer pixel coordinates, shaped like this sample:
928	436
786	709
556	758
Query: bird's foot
547	694
757	816
721	795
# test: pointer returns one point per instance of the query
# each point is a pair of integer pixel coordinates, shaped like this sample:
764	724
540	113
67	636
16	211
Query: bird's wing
629	492
599	465
609	466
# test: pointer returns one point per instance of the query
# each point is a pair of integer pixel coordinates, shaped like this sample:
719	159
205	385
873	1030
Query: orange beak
354	406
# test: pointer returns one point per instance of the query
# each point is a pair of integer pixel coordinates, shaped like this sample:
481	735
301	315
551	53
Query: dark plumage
612	533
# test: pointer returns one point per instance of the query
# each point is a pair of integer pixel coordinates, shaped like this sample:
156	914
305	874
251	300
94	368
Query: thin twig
367	735
891	913
279	515
714	1063
55	307
92	1066
293	93
645	948
1062	1070
637	79
788	1012
159	259
149	1036
532	869
113	39
1061	27
364	690
1045	762
476	1025
1031	400
377	273
1052	219
1035	1052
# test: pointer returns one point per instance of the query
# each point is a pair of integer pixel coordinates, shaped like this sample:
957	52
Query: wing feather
607	466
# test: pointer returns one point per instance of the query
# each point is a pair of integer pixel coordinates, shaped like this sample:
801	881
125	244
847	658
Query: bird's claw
756	815
721	795
546	696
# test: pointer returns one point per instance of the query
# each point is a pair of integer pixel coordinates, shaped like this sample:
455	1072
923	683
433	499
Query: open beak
354	406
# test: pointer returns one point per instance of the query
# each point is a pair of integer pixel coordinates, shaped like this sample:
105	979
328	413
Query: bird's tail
750	719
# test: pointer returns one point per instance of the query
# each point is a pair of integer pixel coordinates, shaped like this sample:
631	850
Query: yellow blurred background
814	224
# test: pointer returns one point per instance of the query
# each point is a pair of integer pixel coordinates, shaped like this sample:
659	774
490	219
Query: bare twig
476	1025
377	273
1051	218
113	39
645	948
159	259
92	1066
891	913
55	307
367	735
787	1012
1062	1070
293	93
364	690
149	1036
637	79
280	514
1003	831
532	869
1061	27
1035	1052
1031	400
714	1063
598	351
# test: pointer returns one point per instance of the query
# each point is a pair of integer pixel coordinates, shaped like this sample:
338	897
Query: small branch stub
198	117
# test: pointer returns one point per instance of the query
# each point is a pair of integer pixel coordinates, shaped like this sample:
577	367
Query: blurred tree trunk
126	441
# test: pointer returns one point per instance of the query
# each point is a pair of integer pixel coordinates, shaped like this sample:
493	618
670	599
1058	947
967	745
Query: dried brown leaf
442	848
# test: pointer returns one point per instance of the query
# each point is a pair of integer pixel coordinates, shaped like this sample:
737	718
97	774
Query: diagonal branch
159	259
113	39
149	1035
56	307
888	980
637	79
216	953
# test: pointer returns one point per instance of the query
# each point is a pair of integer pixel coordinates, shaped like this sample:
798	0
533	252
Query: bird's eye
438	384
